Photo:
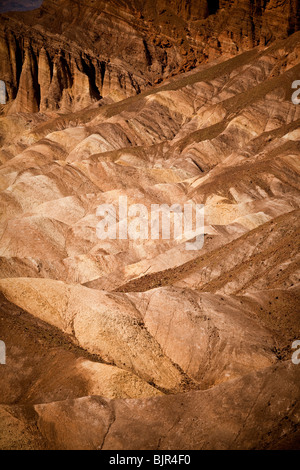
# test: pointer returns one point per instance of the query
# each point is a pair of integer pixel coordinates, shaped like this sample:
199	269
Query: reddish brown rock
90	54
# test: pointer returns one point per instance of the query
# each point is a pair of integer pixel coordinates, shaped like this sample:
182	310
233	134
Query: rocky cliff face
115	49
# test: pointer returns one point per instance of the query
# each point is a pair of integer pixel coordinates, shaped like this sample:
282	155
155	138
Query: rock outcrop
117	49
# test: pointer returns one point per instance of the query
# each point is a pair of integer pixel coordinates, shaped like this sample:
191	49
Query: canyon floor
123	344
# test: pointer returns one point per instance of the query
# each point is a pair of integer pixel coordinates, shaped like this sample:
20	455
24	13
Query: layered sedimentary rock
116	49
134	344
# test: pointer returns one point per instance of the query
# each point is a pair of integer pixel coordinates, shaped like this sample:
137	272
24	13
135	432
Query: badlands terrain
123	344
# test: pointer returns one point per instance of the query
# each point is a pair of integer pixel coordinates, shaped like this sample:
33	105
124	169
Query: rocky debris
17	432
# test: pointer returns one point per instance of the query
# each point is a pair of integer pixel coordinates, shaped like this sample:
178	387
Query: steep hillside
116	49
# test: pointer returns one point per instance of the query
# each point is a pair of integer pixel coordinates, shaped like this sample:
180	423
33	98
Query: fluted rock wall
117	48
